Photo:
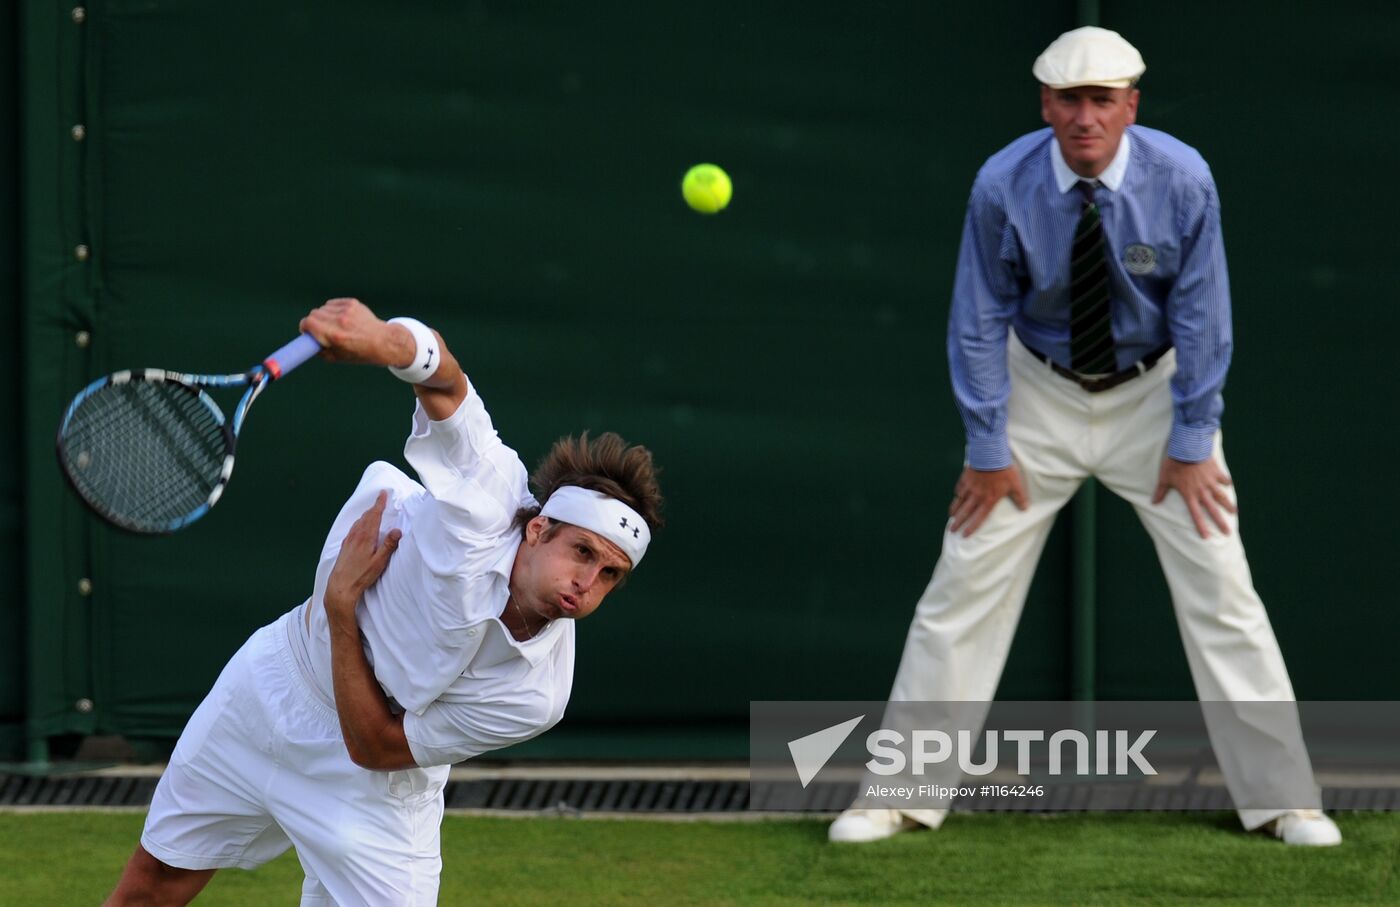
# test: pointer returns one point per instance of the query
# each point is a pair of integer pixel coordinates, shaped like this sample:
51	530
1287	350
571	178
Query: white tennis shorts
261	767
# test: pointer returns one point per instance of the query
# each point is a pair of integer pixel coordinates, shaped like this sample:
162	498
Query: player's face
1088	123
567	572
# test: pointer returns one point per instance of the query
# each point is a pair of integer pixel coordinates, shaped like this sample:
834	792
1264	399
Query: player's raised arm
349	331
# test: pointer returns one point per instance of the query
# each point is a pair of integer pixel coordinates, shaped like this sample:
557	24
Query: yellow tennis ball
706	188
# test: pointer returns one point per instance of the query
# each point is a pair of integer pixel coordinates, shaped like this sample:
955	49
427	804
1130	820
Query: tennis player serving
440	627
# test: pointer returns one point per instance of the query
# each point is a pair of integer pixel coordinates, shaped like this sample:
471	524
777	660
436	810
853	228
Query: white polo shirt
431	624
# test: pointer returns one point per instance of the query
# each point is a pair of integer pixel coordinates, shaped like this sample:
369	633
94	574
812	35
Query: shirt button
472	631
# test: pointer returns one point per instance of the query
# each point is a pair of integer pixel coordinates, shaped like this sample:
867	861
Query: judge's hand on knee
978	491
1202	486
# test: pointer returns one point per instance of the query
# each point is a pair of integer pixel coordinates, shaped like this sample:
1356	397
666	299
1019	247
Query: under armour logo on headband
636	530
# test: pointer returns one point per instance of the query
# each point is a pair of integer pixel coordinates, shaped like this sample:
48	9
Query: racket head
147	450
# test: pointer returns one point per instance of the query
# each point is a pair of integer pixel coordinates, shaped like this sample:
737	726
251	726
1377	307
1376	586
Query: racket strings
145	453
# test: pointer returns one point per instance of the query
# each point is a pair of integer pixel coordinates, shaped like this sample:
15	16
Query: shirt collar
537	648
1111	178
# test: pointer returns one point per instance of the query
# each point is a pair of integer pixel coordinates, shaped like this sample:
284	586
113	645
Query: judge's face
1089	122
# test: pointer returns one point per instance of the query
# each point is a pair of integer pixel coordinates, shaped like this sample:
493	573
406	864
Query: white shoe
1306	828
857	826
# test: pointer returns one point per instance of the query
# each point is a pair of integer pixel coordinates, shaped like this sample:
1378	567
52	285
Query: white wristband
426	360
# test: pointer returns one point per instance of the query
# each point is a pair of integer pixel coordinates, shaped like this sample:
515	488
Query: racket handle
291	355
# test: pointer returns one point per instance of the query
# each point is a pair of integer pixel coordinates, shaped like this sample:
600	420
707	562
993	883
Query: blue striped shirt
1167	279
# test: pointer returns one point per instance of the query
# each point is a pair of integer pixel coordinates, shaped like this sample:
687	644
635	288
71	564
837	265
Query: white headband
596	512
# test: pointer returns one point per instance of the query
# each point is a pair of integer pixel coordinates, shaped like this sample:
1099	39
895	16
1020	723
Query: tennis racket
149	451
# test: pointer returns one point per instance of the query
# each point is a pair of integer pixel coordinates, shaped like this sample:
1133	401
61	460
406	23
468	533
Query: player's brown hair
606	464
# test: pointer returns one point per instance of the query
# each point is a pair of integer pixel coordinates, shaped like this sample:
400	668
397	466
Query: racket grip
291	355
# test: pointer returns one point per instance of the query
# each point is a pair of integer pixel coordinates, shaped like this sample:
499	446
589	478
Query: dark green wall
12	660
1296	112
509	172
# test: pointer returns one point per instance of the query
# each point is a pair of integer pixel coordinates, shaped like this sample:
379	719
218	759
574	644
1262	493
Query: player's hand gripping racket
149	451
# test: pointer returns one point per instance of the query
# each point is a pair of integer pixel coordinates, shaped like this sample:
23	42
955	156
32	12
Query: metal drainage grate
512	795
90	791
643	796
612	796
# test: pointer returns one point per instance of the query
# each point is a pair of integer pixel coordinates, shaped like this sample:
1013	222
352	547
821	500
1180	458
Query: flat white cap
1089	56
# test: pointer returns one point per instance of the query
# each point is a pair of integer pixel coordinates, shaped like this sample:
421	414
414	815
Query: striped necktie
1091	322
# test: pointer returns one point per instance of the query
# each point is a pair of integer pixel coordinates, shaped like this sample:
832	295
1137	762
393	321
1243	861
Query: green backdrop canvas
510	173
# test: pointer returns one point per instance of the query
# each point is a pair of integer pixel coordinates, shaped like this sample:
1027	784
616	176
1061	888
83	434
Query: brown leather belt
1099	383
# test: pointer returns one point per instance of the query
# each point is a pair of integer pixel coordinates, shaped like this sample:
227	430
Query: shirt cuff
1191	443
986	454
425	754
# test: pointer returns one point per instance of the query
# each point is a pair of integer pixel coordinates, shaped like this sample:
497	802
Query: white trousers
262	766
1060	434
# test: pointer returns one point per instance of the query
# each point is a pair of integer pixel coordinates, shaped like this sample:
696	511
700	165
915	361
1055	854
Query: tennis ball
706	188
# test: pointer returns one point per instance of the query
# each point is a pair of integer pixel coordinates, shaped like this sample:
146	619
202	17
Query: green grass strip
1124	858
